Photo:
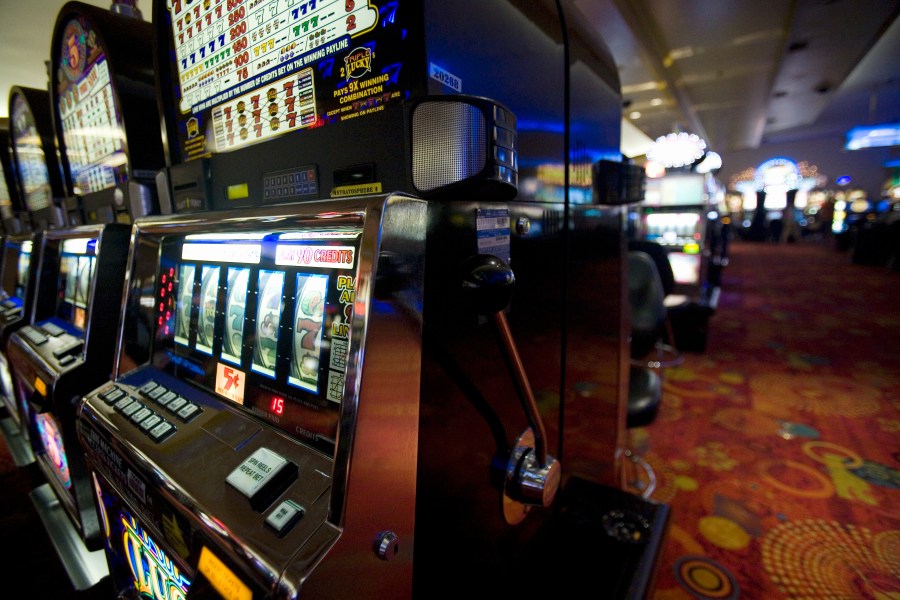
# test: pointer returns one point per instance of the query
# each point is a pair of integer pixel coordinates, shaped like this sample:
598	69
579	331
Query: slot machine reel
532	476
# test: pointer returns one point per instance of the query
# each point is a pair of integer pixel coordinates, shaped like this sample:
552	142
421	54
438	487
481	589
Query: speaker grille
449	144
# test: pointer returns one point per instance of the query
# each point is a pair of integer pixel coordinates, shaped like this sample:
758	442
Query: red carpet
778	448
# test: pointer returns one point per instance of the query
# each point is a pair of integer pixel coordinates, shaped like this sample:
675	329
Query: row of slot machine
322	307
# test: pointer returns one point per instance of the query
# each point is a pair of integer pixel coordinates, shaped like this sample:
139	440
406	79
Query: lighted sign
31	162
335	257
230	383
231	253
155	574
91	127
887	134
52	442
249	71
777	172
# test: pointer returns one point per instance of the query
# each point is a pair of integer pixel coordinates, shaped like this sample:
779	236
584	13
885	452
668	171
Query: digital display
246	70
52	442
5	199
673	229
16	261
76	272
92	129
685	267
33	174
270	332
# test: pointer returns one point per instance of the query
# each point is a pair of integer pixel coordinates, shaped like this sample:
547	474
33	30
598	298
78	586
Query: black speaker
464	147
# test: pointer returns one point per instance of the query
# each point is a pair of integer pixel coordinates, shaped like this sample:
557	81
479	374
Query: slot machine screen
6	209
16	260
260	319
32	164
78	259
245	72
52	442
686	267
91	123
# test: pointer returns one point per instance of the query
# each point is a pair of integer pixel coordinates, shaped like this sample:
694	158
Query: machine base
85	568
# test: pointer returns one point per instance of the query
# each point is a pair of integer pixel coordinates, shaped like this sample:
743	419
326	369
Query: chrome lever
532	475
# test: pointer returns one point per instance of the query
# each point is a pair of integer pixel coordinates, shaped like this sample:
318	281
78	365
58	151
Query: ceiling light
677	149
634	114
656	102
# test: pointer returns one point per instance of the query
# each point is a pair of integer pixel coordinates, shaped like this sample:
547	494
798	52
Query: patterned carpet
778	448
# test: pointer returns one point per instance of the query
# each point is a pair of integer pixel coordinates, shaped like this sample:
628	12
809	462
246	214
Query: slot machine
103	101
409	448
105	111
41	177
10	203
65	350
17	275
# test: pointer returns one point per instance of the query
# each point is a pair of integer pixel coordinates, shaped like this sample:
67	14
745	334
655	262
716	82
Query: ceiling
739	73
744	73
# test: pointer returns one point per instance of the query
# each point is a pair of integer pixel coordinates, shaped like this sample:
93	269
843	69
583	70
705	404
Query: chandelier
677	149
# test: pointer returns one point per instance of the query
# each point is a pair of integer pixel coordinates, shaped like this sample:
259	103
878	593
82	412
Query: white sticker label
450	80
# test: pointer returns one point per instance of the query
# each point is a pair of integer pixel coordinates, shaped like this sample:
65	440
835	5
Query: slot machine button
52	329
139	415
156	393
131	409
284	516
166	398
70	345
11	313
262	477
65	360
124	403
112	396
34	336
188	412
161	431
176	404
8	304
148	387
150	422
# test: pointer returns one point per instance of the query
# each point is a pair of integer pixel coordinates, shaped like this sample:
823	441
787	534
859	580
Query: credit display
33	174
91	124
261	319
250	70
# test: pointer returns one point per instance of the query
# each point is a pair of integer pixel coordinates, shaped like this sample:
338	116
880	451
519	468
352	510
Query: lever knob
487	283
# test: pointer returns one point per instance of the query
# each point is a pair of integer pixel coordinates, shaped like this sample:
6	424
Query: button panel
144	415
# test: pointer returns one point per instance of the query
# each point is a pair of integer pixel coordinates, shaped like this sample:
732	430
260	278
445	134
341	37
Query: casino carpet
778	448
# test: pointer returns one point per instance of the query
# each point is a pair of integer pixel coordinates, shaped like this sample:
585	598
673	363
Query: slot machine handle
533	475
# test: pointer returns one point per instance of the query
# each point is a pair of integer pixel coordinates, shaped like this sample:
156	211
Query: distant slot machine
675	214
327	150
104	106
67	349
10	201
42	183
17	274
